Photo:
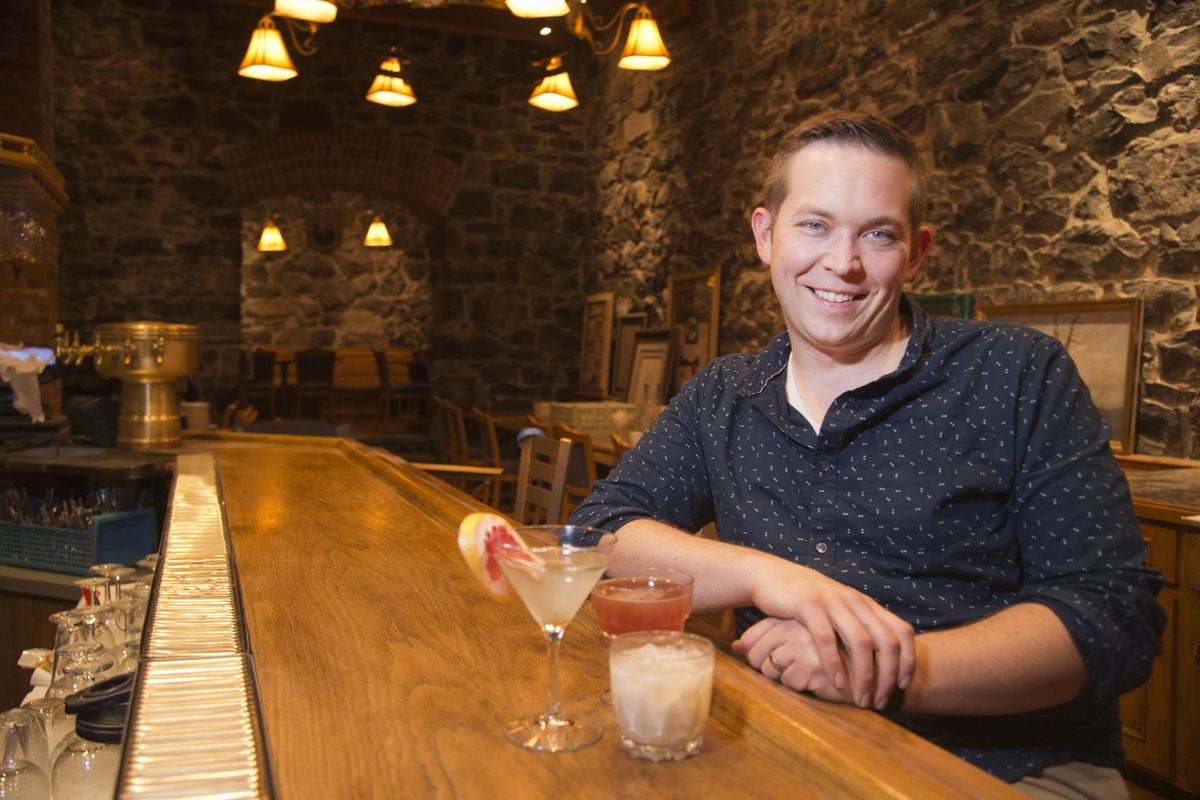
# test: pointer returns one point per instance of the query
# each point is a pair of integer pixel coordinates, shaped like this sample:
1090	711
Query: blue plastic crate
121	537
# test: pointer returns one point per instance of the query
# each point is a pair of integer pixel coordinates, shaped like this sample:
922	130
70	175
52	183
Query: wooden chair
619	445
356	383
475	481
404	385
581	473
484	425
314	380
258	381
542	480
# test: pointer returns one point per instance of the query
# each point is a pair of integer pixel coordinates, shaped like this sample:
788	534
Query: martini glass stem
554	635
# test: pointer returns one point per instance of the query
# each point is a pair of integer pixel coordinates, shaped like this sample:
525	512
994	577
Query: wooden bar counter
383	670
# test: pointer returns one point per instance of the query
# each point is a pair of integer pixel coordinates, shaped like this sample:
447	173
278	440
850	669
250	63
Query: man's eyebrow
895	222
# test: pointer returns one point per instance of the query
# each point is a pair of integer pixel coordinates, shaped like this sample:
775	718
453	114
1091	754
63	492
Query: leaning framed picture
653	357
950	304
622	358
596	349
1104	338
693	309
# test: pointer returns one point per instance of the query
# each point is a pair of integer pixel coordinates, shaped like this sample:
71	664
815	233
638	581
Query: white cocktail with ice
661	689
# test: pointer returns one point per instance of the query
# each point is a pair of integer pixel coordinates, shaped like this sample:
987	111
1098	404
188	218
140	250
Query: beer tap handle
128	359
160	348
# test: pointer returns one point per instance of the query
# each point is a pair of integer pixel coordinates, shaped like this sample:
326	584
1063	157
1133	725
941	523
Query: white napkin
19	368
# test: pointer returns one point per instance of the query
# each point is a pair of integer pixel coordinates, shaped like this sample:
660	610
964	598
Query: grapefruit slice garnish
480	538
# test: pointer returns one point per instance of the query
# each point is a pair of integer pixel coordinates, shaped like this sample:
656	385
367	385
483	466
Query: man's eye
812	226
881	236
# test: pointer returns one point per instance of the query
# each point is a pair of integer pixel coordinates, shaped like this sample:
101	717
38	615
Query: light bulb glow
554	93
536	9
319	11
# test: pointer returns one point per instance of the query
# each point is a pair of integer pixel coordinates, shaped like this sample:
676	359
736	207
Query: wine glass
641	599
22	751
570	559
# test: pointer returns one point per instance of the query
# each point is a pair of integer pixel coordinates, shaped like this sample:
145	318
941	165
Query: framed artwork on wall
693	310
1104	338
653	357
596	348
622	359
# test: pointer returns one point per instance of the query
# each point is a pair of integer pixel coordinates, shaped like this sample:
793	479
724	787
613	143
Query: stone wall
149	109
1064	158
328	289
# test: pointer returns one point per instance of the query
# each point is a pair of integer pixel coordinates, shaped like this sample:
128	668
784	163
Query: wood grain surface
384	670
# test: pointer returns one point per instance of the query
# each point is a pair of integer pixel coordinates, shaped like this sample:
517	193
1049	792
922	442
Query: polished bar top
384	670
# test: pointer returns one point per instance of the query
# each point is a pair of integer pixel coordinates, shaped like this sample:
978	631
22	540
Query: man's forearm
723	572
1020	659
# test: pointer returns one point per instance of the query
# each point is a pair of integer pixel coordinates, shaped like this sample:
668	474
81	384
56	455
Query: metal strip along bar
194	728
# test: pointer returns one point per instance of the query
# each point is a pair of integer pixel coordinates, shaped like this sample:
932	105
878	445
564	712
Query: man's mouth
833	297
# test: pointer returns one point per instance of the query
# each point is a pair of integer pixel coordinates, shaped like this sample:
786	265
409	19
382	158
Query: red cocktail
627	601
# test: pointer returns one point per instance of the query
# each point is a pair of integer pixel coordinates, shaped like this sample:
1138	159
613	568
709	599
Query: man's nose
842	256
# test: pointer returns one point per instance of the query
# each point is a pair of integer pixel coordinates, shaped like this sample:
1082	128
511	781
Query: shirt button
822	548
824	466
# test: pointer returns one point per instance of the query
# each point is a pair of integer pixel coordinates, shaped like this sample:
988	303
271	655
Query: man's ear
920	246
760	223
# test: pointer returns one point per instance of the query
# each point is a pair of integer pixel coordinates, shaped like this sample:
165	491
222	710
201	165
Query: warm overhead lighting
377	235
555	92
307	10
271	240
267	58
546	31
644	49
537	8
388	88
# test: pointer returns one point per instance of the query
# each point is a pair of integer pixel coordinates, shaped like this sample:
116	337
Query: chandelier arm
307	47
597	26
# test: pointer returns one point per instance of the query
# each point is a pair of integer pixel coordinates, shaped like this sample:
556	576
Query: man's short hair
846	128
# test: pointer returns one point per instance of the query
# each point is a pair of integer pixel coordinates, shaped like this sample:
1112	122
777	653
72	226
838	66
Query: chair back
314	366
542	480
581	472
619	444
452	430
260	367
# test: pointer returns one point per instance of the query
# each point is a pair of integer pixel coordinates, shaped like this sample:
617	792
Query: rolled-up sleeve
1081	548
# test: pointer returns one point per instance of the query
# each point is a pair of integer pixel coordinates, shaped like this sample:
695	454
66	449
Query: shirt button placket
824	513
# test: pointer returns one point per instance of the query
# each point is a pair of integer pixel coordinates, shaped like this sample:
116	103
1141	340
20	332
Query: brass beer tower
147	357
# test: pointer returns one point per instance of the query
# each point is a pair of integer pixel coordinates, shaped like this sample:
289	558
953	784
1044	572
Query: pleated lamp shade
267	58
388	88
319	11
644	48
534	9
555	92
271	240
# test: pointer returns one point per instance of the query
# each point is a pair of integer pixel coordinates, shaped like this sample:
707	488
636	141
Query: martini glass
571	559
641	599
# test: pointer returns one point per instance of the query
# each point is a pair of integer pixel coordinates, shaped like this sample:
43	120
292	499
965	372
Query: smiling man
918	515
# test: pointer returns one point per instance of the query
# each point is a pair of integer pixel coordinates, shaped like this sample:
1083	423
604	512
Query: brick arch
298	163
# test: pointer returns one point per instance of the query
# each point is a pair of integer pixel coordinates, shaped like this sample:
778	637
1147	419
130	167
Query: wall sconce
555	92
388	88
318	11
267	57
271	238
377	234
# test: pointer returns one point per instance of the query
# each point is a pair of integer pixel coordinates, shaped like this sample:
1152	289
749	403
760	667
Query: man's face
841	248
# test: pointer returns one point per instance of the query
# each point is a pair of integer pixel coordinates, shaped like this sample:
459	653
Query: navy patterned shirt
976	475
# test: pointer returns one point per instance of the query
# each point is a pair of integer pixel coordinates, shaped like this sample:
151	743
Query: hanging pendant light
319	11
377	234
271	239
644	48
535	9
388	88
555	92
267	58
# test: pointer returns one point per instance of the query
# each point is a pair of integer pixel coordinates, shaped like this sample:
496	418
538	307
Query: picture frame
947	304
693	315
1093	331
653	358
596	346
622	359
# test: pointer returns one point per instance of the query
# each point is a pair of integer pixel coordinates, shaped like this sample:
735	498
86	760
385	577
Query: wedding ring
778	667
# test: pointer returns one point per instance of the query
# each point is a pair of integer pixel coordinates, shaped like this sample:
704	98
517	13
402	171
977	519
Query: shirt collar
773	359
